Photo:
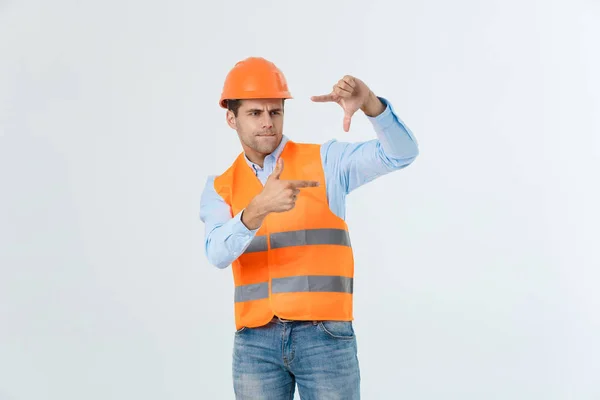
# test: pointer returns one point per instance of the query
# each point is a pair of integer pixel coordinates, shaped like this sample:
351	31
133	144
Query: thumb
278	169
347	119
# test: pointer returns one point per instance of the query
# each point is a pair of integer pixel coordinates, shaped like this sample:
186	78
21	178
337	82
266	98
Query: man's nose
267	121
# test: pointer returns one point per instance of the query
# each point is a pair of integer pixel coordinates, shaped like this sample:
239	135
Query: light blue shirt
347	166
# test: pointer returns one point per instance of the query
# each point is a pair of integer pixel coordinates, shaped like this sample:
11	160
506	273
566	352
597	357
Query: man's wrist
373	106
254	215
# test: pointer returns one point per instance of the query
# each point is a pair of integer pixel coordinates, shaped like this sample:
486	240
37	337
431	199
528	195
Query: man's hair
234	105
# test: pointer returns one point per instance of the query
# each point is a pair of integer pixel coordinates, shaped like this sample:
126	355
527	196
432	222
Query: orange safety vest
300	264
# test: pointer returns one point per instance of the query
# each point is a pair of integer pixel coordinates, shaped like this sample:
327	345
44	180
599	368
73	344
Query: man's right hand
278	195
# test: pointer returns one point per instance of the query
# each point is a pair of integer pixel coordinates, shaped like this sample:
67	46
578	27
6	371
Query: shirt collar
272	157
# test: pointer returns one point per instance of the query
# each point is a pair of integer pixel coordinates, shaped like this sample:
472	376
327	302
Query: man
277	216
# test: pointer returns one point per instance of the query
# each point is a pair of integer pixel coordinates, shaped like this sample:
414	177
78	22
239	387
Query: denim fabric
320	357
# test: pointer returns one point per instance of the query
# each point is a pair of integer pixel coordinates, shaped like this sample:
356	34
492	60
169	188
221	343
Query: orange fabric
238	186
254	78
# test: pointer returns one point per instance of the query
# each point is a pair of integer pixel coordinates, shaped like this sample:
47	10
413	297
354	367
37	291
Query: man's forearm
226	242
359	163
226	236
397	140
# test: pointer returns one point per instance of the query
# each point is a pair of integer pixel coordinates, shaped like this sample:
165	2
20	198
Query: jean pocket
337	329
242	329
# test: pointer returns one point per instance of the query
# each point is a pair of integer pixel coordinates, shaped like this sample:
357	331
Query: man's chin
266	144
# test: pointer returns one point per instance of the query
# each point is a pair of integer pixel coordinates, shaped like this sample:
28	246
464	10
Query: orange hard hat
254	78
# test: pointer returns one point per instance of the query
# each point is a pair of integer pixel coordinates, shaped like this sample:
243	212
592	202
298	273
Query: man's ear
231	119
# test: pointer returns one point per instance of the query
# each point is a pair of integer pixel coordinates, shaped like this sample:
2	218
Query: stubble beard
263	146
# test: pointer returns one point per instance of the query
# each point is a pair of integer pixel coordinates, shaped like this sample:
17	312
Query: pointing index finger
323	98
303	184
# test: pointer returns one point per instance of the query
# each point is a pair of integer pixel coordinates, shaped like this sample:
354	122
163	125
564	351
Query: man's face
259	124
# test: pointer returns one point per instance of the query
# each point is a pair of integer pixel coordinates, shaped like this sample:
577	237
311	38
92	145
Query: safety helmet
254	78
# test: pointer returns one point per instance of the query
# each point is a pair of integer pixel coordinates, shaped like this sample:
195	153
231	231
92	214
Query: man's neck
256	158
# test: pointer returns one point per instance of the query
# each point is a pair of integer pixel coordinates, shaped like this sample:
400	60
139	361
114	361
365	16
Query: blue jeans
319	356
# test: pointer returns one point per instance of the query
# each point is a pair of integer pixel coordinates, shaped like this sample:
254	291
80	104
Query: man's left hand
352	95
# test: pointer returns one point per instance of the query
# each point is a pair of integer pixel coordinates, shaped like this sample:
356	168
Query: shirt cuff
386	118
240	229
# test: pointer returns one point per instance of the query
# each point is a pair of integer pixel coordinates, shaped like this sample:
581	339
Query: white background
480	281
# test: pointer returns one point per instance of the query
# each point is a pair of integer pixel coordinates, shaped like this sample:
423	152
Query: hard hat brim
250	96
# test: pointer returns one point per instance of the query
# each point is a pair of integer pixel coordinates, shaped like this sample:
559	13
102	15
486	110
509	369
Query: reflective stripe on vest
300	238
304	283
